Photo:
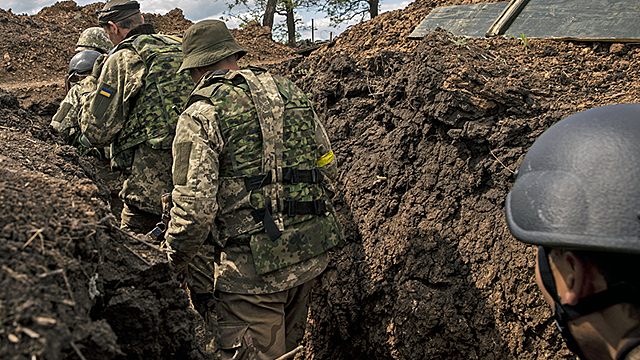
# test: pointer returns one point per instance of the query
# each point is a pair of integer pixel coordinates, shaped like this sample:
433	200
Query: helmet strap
559	314
616	293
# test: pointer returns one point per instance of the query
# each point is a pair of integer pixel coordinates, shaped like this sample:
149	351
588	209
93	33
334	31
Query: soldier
65	121
92	42
128	111
130	107
577	197
252	173
94	38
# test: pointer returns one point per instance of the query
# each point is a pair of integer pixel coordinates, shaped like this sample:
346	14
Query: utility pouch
308	239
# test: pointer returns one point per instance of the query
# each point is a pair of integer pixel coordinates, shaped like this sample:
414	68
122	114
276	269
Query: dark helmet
83	61
579	185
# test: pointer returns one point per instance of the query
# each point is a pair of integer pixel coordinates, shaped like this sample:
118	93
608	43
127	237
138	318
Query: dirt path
30	84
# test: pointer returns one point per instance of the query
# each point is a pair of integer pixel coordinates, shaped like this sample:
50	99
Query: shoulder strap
270	110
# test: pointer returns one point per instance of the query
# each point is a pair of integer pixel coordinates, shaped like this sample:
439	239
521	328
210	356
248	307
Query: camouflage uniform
65	121
140	142
237	145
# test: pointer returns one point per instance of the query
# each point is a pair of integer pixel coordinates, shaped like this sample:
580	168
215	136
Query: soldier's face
567	270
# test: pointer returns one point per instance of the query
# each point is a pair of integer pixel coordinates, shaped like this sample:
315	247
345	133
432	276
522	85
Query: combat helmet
579	185
82	62
96	39
578	188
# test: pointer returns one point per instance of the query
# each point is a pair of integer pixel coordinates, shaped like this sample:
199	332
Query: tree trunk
373	8
291	24
269	13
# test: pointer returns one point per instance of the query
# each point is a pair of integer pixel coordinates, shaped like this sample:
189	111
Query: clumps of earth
428	134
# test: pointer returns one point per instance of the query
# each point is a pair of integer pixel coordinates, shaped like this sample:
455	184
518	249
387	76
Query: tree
269	12
254	9
345	10
287	11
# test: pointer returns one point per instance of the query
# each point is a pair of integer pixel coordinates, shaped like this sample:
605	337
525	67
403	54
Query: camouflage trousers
136	220
264	326
201	282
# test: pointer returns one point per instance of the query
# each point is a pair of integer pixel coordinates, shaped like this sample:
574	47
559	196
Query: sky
196	10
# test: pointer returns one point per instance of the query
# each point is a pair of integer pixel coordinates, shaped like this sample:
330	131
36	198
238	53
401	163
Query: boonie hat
117	10
208	42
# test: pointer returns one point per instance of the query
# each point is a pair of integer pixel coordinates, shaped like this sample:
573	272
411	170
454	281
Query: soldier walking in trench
66	120
132	107
92	42
577	197
252	173
129	108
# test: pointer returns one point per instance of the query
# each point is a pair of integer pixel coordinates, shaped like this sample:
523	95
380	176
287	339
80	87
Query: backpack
154	115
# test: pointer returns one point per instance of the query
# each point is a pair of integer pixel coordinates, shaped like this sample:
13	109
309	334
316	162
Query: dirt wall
427	134
427	143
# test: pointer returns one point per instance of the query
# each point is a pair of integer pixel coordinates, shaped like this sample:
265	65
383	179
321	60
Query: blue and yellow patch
105	92
105	95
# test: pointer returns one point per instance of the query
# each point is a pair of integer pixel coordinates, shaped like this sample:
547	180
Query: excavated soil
428	135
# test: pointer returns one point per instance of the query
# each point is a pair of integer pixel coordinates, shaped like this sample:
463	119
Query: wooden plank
585	20
507	17
468	20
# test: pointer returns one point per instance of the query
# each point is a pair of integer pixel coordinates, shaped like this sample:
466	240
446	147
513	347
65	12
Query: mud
428	135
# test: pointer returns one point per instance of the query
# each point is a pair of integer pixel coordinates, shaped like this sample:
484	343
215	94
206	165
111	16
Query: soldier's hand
97	66
181	277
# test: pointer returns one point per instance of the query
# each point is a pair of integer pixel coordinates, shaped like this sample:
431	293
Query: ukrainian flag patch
105	95
105	92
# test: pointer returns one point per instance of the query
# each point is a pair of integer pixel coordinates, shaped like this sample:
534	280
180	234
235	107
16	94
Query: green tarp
468	20
588	20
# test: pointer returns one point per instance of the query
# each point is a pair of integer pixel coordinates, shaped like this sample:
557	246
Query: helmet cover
94	38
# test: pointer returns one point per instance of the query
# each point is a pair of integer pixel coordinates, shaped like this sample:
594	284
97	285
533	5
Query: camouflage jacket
242	136
106	112
66	121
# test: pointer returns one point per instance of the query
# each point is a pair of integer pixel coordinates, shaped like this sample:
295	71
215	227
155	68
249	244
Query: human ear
576	278
113	27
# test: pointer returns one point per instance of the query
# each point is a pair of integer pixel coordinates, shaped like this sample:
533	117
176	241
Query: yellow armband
325	159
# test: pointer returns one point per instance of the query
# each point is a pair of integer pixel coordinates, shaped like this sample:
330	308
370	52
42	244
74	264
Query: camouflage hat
117	10
96	39
208	42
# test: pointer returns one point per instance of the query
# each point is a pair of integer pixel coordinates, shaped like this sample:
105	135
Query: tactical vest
270	189
153	117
